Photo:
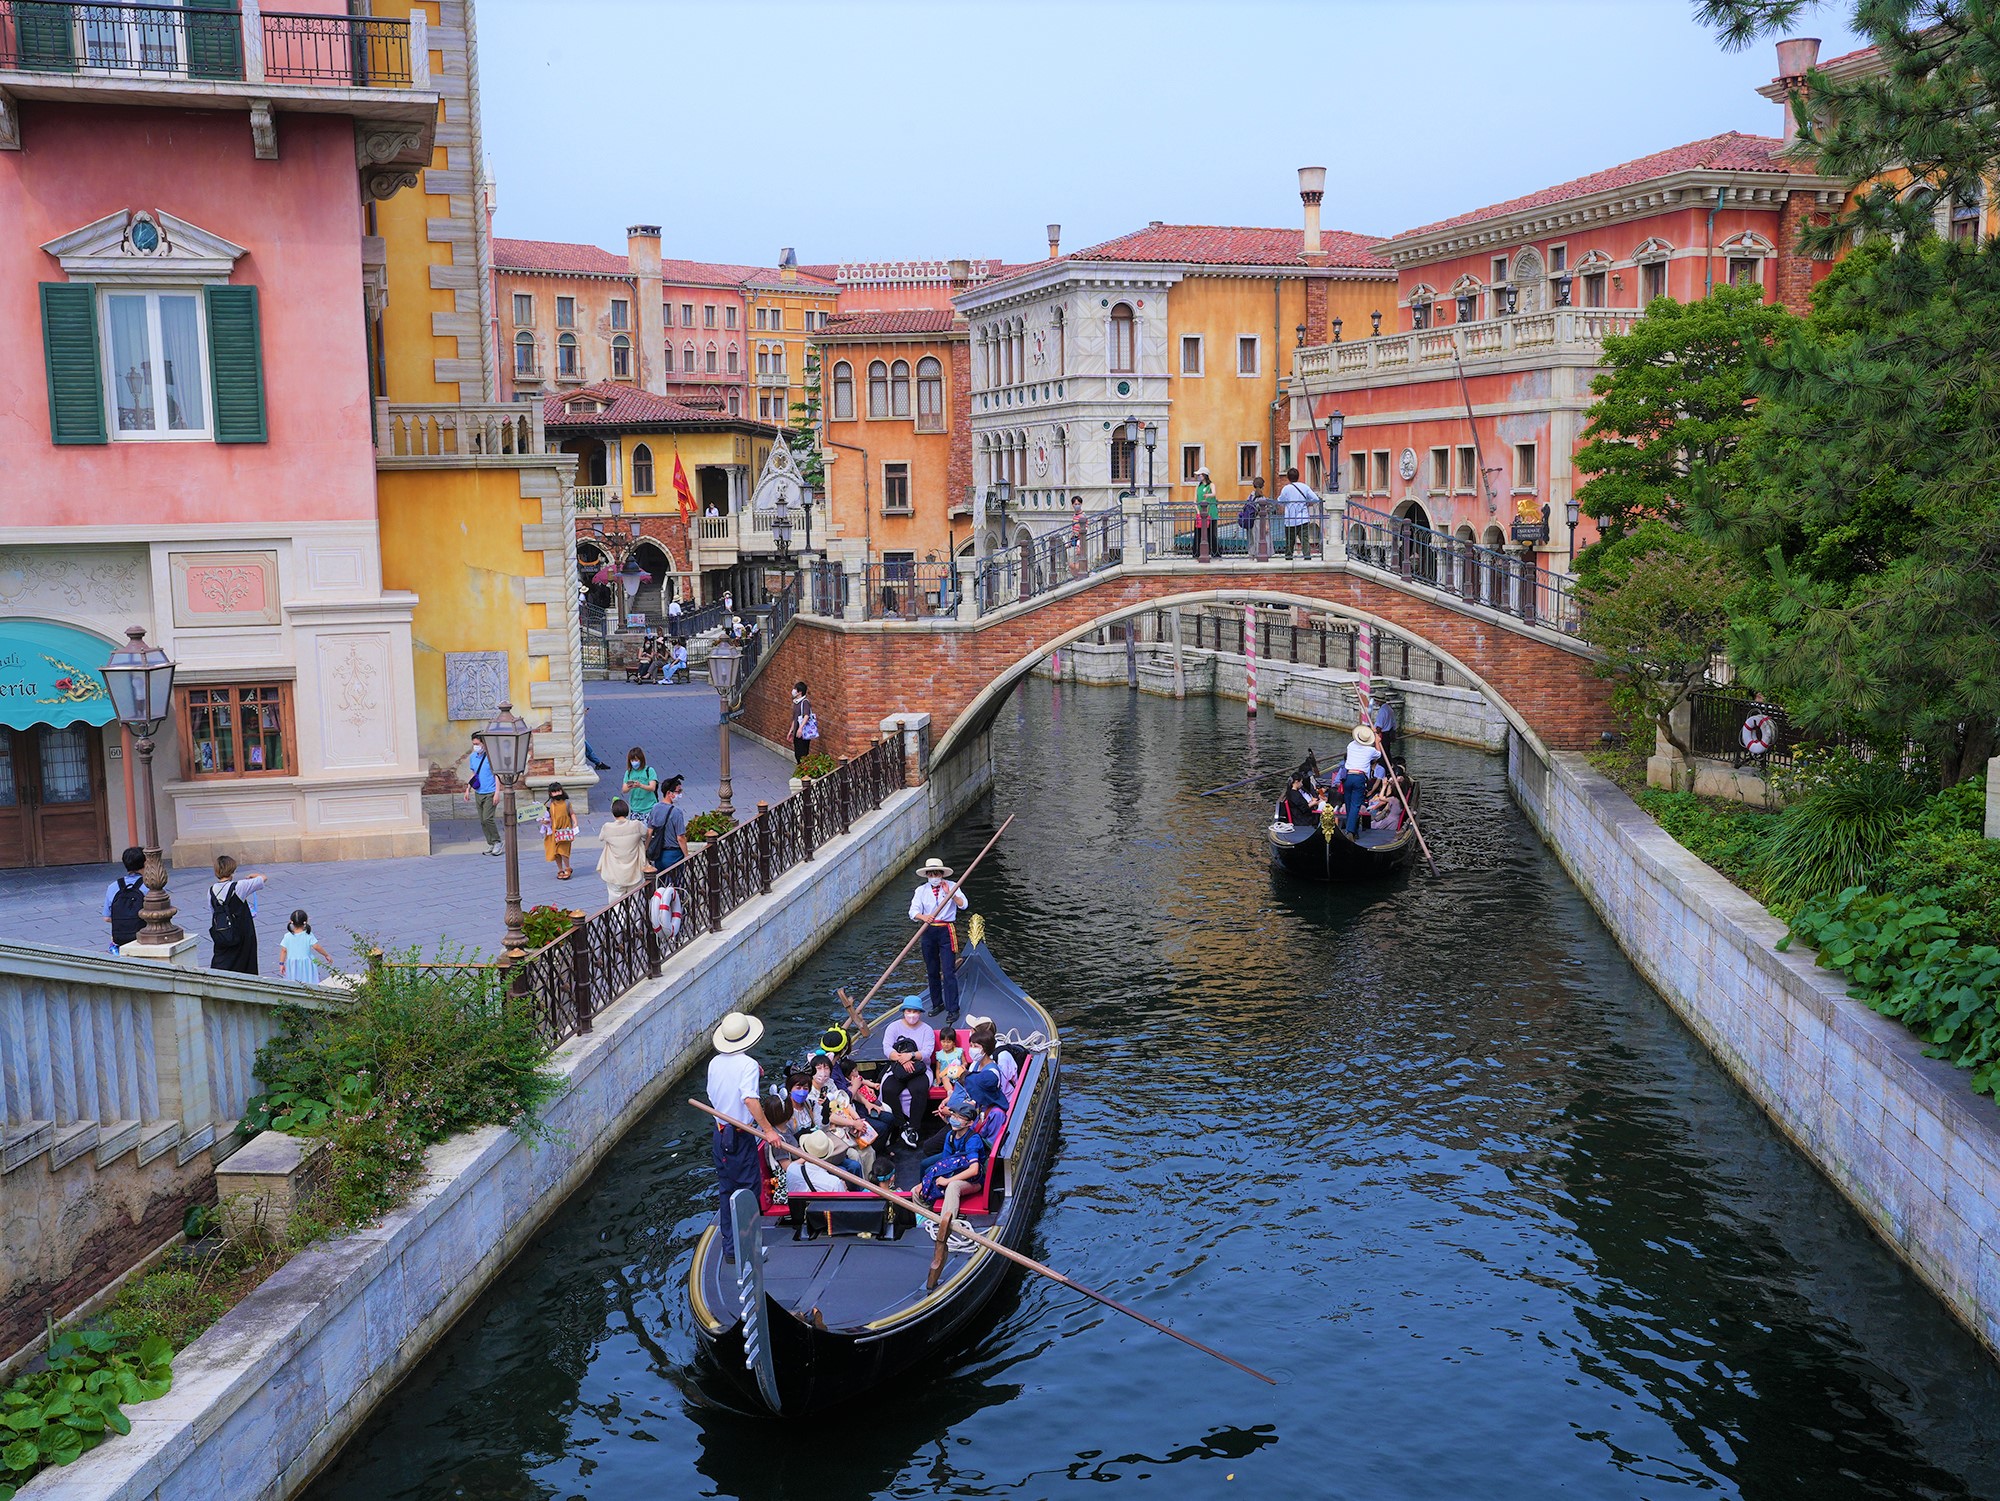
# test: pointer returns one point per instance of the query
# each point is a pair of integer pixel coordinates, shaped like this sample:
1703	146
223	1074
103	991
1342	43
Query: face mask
975	1052
798	1096
637	764
936	882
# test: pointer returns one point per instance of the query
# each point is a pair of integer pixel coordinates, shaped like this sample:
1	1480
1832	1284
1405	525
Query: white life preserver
1760	733
666	912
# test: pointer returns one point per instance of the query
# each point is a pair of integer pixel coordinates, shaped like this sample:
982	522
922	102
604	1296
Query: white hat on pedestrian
737	1032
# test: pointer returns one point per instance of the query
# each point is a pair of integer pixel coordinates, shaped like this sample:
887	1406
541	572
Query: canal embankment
273	1389
1902	1136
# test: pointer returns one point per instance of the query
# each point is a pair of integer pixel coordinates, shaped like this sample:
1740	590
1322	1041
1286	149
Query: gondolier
734	1084
935	905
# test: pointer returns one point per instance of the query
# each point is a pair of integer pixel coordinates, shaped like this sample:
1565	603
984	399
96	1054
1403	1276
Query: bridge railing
1172	529
1460	567
1078	548
909	591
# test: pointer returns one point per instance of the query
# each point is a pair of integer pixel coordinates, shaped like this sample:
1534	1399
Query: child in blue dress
302	953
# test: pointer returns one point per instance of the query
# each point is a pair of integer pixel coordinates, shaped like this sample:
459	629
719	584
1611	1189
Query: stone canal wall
270	1393
1901	1136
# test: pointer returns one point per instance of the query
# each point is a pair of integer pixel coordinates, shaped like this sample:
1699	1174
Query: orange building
896	435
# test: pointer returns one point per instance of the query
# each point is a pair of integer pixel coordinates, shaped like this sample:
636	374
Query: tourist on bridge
805	723
621	857
1206	516
936	905
734	1085
1254	521
666	829
1299	503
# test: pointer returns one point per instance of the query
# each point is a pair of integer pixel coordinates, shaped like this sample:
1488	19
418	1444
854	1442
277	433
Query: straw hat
936	867
1364	734
736	1033
816	1144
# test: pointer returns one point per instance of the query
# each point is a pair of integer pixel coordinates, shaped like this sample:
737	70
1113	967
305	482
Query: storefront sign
49	674
1531	531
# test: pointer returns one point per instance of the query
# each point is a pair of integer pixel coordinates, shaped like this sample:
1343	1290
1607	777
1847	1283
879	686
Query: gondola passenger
956	1168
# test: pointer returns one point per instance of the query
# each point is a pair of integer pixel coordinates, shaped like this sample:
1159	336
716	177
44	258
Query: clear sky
861	131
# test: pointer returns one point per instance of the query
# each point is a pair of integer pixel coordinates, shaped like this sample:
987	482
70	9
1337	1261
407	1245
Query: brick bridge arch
961	672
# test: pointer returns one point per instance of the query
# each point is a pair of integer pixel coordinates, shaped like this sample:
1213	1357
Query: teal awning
51	674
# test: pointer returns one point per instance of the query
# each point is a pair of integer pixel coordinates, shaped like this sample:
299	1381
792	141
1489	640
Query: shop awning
50	674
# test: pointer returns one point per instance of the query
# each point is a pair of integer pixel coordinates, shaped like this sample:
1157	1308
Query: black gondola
1313	852
839	1301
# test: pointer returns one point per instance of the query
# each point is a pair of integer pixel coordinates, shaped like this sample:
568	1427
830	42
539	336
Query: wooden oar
861	1006
992	1245
1411	814
1262	776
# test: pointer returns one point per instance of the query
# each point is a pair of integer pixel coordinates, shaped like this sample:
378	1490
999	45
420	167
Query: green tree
1656	601
1870	517
1672	406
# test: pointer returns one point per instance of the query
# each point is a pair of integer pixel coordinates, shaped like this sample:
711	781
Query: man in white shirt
1360	767
735	1085
935	905
1299	503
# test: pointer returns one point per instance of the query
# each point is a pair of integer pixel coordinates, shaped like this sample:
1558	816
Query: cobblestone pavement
454	896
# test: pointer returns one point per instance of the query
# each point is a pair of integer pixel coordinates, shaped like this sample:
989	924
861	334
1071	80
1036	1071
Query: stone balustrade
1556	331
452	435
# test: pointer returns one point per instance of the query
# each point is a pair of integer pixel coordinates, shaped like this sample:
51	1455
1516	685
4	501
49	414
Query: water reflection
1431	1153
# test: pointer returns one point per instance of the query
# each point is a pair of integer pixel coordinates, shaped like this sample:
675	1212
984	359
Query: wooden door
52	803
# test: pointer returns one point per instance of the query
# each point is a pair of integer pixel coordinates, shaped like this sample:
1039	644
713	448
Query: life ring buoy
1759	734
666	911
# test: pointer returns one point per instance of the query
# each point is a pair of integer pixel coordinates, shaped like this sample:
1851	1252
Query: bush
544	925
1945	847
424	1052
710	825
1839	833
1728	836
50	1417
818	764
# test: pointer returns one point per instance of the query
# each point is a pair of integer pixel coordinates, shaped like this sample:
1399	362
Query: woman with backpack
124	897
805	723
232	922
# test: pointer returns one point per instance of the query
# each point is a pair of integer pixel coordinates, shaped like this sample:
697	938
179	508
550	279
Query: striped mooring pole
1250	653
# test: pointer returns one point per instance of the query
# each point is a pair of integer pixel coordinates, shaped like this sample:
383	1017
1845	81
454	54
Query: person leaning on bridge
735	1085
1298	501
935	905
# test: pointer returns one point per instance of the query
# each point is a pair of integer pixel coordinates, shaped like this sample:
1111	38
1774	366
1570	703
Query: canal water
1430	1153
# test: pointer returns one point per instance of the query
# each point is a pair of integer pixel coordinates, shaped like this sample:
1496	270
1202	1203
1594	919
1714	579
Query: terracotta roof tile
908	321
1228	245
628	407
1732	152
555	255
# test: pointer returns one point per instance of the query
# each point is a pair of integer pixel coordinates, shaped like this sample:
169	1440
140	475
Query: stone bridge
959	668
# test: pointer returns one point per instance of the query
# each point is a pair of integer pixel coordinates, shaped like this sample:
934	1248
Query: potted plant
710	825
545	924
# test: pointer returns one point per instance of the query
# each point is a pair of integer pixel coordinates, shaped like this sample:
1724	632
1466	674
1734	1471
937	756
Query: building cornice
1684	190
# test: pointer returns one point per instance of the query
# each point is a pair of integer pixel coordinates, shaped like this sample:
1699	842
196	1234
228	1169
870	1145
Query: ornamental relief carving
107	583
224	588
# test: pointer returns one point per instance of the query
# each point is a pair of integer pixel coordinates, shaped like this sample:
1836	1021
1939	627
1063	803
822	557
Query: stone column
968	581
1993	798
857	581
916	732
1336	527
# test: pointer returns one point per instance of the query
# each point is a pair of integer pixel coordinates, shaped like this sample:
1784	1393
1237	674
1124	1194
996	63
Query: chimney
1156	223
1312	187
1055	241
642	258
788	264
1796	57
959	274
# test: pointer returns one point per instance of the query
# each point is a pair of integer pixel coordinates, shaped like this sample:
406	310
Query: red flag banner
681	490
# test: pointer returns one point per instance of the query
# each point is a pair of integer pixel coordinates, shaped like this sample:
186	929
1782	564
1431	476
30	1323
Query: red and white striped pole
1250	653
1364	661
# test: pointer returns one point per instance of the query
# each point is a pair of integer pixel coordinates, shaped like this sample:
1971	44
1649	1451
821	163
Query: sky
859	131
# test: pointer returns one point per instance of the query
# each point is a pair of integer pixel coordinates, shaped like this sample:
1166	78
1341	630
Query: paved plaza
454	896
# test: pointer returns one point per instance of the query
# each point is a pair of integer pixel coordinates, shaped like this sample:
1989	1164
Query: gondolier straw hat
936	867
1365	734
737	1032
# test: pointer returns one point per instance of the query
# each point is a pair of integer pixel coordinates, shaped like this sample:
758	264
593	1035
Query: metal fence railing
1076	549
1724	725
175	41
909	591
1461	567
827	590
1316	644
1175	528
363	52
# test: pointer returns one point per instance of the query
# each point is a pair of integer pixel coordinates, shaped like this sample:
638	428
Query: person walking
558	830
642	783
735	1089
232	919
1298	502
936	906
1255	521
621	862
301	955
479	785
1206	517
805	723
666	829
124	897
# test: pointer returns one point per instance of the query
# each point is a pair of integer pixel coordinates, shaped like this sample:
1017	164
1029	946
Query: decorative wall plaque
224	588
474	684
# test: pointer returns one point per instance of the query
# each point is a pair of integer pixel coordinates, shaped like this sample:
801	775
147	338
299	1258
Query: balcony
453	436
242	58
1575	334
771	378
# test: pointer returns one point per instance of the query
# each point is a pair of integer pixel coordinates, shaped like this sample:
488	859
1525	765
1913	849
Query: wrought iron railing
1315	644
38	36
363	52
1085	545
1174	528
909	591
827	589
1460	567
1719	725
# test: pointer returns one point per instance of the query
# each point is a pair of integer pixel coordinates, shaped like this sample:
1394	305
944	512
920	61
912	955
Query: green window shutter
45	36
236	365
69	349
214	39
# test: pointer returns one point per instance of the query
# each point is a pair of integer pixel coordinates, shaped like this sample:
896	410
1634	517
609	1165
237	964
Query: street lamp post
1336	425
1152	439
725	666
507	751
140	679
1572	511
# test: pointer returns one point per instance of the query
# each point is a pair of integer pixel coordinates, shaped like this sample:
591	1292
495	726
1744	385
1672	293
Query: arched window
878	389
930	395
843	392
777	359
687	358
642	470
621	358
708	359
1121	340
524	354
735	402
566	355
899	389
734	362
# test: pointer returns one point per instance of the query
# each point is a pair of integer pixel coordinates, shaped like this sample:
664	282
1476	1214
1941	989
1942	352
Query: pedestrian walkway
455	896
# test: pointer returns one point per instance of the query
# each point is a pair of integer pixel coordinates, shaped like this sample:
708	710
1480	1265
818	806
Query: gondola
1312	853
838	1302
